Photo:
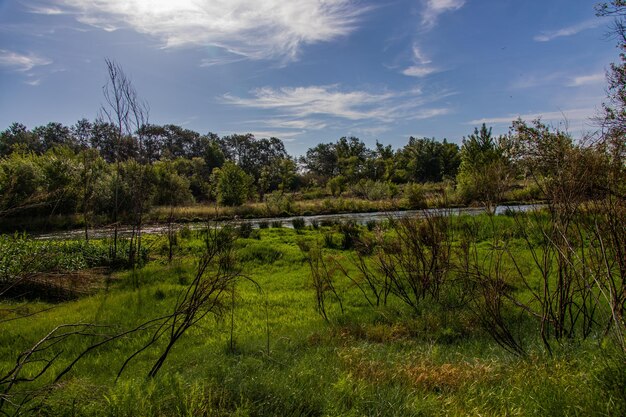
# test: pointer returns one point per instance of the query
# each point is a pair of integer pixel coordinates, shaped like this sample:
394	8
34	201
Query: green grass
368	361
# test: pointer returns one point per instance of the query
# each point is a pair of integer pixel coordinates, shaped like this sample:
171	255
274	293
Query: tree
21	182
352	157
207	147
485	172
128	114
55	134
232	183
322	160
613	119
430	160
17	135
172	189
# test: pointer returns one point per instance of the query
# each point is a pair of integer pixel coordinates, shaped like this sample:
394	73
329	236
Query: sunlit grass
383	361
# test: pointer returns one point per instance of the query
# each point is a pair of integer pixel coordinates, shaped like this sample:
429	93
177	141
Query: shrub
244	230
414	194
350	233
298	223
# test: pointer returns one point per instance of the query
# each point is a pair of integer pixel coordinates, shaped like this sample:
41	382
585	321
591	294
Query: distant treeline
90	168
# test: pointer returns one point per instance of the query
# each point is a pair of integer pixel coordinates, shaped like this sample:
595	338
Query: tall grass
388	360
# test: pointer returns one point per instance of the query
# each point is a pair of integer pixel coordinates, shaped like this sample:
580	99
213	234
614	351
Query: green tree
485	173
613	119
22	182
172	189
18	135
232	184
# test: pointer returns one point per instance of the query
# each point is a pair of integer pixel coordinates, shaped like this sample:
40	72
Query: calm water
360	218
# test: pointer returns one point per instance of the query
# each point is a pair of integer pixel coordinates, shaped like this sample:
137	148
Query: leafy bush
350	233
371	190
298	223
244	230
414	194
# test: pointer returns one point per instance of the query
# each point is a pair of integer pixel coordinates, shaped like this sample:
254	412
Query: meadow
296	331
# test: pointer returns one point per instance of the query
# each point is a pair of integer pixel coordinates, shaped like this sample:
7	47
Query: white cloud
301	109
318	100
559	78
372	130
419	71
568	31
581	80
34	82
430	113
421	67
38	9
434	8
304	102
21	62
537	80
569	116
419	56
306	124
256	29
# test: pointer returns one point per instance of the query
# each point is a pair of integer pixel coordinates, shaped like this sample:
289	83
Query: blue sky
310	71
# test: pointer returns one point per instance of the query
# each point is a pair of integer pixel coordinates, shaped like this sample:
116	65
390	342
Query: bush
371	190
244	230
414	194
371	225
350	233
298	223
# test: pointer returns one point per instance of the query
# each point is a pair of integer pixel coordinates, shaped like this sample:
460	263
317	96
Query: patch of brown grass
419	373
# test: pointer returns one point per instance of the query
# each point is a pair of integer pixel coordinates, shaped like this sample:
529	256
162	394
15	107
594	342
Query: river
360	218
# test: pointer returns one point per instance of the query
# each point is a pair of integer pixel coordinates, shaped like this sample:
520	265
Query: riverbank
260	211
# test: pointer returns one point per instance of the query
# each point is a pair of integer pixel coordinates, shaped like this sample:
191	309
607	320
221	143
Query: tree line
68	164
63	170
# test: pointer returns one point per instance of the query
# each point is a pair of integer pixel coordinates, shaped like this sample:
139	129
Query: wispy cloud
558	78
372	130
304	102
419	71
568	31
434	8
21	62
302	124
581	80
45	10
419	55
301	109
569	116
317	100
255	29
422	64
537	80
34	82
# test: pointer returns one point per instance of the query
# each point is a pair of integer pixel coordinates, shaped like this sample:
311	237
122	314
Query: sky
311	71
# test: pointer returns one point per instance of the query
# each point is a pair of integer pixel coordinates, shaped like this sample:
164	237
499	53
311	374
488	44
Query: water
360	218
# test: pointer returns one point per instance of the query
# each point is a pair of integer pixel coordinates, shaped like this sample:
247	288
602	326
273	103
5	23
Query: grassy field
274	355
